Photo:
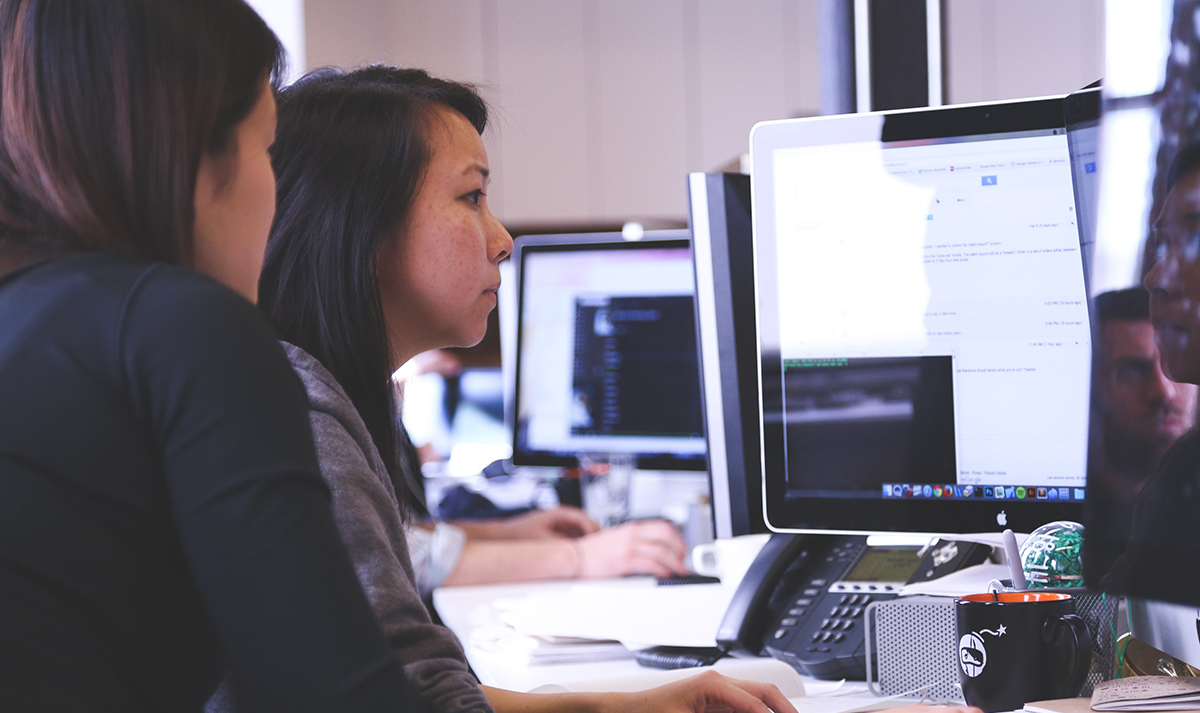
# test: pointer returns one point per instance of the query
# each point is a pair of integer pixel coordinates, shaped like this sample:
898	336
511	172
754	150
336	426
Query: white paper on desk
637	616
763	670
533	650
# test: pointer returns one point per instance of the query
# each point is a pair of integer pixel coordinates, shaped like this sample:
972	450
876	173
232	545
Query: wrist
577	548
612	702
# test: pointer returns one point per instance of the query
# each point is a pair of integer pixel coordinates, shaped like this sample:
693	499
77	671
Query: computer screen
723	250
923	320
1081	112
606	351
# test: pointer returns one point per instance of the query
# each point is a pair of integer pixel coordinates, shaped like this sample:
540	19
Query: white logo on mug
972	654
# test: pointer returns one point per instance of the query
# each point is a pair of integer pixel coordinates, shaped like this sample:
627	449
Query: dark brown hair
106	109
351	149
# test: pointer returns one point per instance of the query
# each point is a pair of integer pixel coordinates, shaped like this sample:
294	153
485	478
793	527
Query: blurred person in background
1143	411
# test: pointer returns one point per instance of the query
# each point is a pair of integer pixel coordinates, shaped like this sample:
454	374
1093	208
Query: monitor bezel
869	515
525	245
722	253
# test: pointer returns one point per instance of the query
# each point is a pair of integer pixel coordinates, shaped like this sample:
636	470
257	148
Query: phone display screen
884	564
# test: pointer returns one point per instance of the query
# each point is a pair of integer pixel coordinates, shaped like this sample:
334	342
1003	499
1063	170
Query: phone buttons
798	611
812	593
780	633
818	583
803	602
788	622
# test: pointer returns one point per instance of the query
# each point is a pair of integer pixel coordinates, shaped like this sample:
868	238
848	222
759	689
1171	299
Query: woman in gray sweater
383	247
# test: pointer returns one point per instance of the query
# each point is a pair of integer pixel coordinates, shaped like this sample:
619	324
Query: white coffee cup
728	559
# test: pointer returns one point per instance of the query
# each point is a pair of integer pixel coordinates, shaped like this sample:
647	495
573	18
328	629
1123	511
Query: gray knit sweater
368	517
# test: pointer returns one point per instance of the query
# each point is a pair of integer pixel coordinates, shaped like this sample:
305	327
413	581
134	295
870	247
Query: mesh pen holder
912	642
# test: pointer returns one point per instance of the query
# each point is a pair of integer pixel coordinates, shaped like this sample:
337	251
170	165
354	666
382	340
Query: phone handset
750	613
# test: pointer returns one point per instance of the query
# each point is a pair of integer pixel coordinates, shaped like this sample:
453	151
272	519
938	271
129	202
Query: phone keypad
816	630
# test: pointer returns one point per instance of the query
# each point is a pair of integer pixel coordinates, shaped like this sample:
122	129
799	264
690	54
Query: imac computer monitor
1143	527
922	320
723	250
606	351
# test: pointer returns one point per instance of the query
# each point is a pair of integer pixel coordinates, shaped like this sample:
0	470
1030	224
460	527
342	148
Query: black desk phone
803	598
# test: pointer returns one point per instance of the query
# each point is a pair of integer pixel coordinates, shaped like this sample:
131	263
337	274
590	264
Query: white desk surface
463	609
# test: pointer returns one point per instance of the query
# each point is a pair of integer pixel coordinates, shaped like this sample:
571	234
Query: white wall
1007	49
603	106
286	18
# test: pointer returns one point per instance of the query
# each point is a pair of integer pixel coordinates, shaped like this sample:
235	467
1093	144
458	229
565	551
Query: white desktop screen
607	352
924	302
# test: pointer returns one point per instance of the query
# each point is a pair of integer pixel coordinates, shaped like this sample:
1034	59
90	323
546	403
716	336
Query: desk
463	609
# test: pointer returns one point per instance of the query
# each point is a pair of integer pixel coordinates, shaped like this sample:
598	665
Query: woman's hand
645	547
709	691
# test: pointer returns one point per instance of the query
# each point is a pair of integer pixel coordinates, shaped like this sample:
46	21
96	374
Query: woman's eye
475	196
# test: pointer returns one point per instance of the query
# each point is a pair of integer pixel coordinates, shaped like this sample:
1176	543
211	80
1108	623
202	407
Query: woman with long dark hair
162	515
383	247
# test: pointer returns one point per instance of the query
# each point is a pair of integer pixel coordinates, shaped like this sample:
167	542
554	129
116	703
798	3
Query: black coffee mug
1017	647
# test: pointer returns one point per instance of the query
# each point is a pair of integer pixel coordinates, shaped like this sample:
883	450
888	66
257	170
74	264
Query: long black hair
351	150
106	109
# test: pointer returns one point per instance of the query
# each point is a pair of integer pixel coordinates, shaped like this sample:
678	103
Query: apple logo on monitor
1001	519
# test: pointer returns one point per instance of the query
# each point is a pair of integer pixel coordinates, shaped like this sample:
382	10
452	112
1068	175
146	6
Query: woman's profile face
439	275
1174	281
235	203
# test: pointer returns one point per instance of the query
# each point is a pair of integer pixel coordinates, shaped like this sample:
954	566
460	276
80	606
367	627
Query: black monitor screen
903	407
606	357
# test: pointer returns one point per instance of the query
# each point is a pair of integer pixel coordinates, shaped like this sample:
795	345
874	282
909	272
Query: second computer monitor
923	321
722	243
606	351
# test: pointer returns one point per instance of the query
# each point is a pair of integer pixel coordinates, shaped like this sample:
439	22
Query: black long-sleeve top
161	508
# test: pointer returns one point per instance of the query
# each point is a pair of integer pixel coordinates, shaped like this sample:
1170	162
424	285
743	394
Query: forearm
492	562
513	702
